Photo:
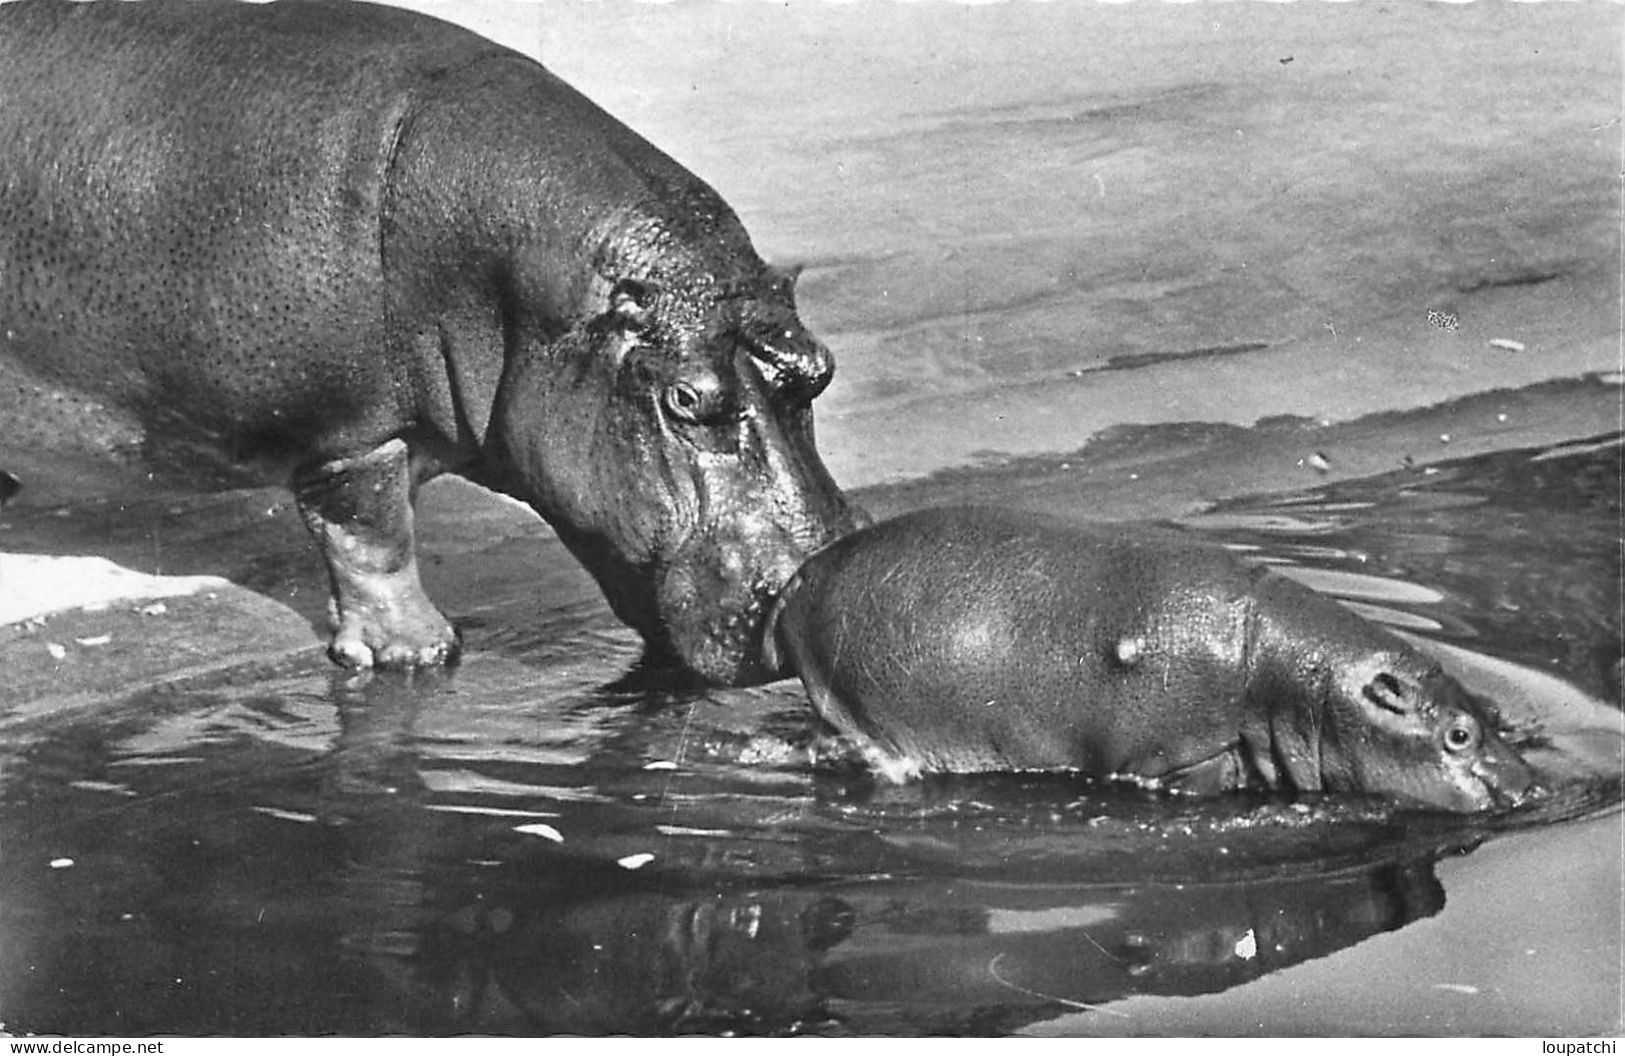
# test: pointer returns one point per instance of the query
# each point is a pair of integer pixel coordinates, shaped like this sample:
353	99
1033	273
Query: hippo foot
398	634
359	510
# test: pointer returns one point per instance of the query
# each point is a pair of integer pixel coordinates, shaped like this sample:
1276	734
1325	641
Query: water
518	847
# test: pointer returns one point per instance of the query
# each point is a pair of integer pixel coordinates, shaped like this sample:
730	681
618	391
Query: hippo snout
722	602
1509	781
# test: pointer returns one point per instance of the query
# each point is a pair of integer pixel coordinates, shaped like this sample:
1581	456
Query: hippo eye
1461	735
696	404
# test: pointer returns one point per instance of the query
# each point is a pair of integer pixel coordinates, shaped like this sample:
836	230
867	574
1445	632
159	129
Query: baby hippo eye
695	401
1461	735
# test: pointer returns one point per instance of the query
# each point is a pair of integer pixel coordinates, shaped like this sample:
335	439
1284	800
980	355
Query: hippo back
1021	642
191	194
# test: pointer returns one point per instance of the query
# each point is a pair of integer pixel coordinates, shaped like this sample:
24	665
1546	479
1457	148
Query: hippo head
1355	708
1406	728
668	439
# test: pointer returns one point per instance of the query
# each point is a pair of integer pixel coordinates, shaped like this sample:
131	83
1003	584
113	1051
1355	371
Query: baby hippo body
971	639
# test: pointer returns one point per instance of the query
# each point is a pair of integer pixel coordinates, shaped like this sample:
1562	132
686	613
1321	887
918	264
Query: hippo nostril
1510	784
1513	798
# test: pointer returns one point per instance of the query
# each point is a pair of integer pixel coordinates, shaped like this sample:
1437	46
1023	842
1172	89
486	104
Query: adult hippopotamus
977	639
359	247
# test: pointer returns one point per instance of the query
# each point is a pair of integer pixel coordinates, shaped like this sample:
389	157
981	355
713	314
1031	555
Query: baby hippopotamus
973	639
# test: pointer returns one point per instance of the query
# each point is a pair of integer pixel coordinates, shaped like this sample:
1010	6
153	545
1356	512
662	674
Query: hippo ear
631	302
1387	692
795	364
785	278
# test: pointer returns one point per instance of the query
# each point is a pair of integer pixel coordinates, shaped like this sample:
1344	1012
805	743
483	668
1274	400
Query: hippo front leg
360	511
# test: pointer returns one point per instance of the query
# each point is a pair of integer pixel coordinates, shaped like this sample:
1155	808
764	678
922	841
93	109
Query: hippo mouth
746	632
721	644
724	625
1501	795
738	645
775	658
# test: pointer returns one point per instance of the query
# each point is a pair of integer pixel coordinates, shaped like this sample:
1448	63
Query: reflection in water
889	955
253	886
511	848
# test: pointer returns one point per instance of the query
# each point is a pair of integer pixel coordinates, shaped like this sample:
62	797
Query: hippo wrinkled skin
360	247
974	639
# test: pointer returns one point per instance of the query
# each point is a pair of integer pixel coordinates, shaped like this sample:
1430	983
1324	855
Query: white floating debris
285	815
1444	438
157	608
635	861
684	830
102	786
61	863
660	764
1501	417
1317	462
1507	345
547	832
490	812
57	650
100	639
1247	946
1456	988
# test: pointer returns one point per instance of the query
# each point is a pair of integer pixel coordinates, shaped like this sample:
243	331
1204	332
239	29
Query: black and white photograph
860	519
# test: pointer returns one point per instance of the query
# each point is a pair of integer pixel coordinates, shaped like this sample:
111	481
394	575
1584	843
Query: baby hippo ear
1387	692
631	303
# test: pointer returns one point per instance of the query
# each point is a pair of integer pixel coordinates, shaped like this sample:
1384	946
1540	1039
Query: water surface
517	846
